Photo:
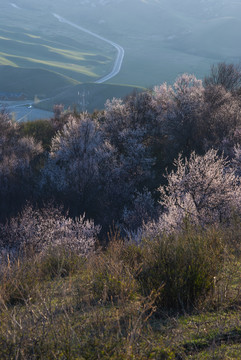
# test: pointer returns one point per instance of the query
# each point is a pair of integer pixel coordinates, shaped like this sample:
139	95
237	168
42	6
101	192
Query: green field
75	60
88	96
41	57
161	39
164	38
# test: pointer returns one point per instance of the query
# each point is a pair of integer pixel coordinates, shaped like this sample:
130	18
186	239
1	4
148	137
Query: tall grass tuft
185	264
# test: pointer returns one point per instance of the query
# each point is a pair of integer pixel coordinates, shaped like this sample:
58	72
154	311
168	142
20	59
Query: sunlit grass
66	53
54	64
33	36
94	308
4	38
76	55
26	50
5	61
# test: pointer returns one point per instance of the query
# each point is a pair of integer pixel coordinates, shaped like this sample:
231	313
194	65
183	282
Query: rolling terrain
160	39
43	82
88	96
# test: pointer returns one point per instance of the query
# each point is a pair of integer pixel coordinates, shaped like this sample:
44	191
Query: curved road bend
120	51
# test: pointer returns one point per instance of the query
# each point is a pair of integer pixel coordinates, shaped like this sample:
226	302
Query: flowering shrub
142	210
39	230
79	164
19	157
109	165
237	160
203	190
204	187
179	110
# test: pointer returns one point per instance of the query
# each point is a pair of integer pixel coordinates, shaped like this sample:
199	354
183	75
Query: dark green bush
185	264
58	262
41	130
112	277
18	282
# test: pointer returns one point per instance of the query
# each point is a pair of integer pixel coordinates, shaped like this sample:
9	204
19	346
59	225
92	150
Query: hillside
33	49
120	230
88	96
161	39
120	210
43	83
66	307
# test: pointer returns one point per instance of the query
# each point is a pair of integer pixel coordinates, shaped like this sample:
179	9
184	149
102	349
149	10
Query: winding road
120	51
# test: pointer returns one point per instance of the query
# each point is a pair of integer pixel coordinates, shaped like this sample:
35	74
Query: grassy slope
68	308
32	82
161	38
94	95
32	38
151	33
74	59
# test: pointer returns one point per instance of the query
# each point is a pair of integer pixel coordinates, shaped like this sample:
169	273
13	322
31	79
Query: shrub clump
36	231
184	264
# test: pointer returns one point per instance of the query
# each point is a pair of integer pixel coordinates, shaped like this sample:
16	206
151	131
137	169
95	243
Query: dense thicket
157	174
119	165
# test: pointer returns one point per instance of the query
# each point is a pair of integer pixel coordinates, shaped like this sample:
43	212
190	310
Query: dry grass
61	307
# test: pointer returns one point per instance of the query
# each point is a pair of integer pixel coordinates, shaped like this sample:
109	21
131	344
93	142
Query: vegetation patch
120	230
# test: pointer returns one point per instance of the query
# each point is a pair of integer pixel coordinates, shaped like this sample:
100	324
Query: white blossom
40	230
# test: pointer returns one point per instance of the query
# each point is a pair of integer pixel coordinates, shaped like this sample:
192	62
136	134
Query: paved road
15	104
120	51
25	110
24	113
